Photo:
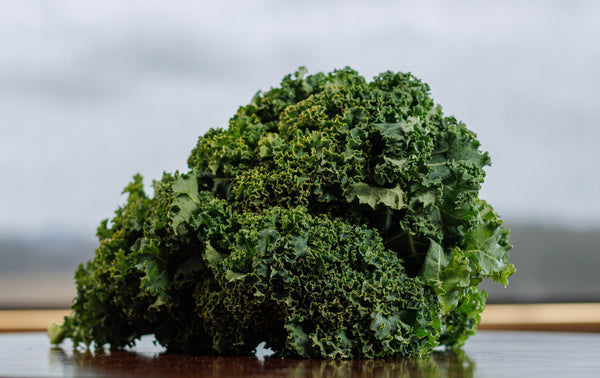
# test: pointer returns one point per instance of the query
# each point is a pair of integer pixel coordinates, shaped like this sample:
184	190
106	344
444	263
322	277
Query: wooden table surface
487	354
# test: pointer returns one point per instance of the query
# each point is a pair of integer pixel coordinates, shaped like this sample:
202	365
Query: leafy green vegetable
333	218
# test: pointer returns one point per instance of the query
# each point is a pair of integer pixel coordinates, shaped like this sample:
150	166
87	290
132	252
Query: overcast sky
94	92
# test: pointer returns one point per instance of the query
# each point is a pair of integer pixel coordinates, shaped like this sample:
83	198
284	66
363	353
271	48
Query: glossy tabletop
487	354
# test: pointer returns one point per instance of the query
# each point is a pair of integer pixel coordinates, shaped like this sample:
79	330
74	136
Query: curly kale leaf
333	218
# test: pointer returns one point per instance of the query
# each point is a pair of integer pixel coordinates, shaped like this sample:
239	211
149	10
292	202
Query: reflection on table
488	353
122	363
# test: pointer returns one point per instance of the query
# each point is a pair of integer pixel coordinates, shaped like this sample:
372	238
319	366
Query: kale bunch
333	218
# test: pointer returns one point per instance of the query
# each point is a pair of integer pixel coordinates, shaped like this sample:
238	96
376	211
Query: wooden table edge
569	317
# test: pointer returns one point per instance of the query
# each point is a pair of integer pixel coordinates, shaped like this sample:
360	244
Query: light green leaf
234	276
56	333
486	247
381	326
398	129
455	279
373	195
187	200
448	274
435	262
212	256
299	244
398	163
298	339
155	277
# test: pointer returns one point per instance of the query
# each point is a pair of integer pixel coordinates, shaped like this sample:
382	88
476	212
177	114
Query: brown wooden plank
29	320
577	317
569	317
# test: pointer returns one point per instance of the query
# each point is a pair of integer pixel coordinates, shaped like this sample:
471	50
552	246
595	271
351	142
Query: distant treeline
44	253
553	264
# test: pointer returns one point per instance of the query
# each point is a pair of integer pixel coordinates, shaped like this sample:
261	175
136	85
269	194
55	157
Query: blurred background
92	93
